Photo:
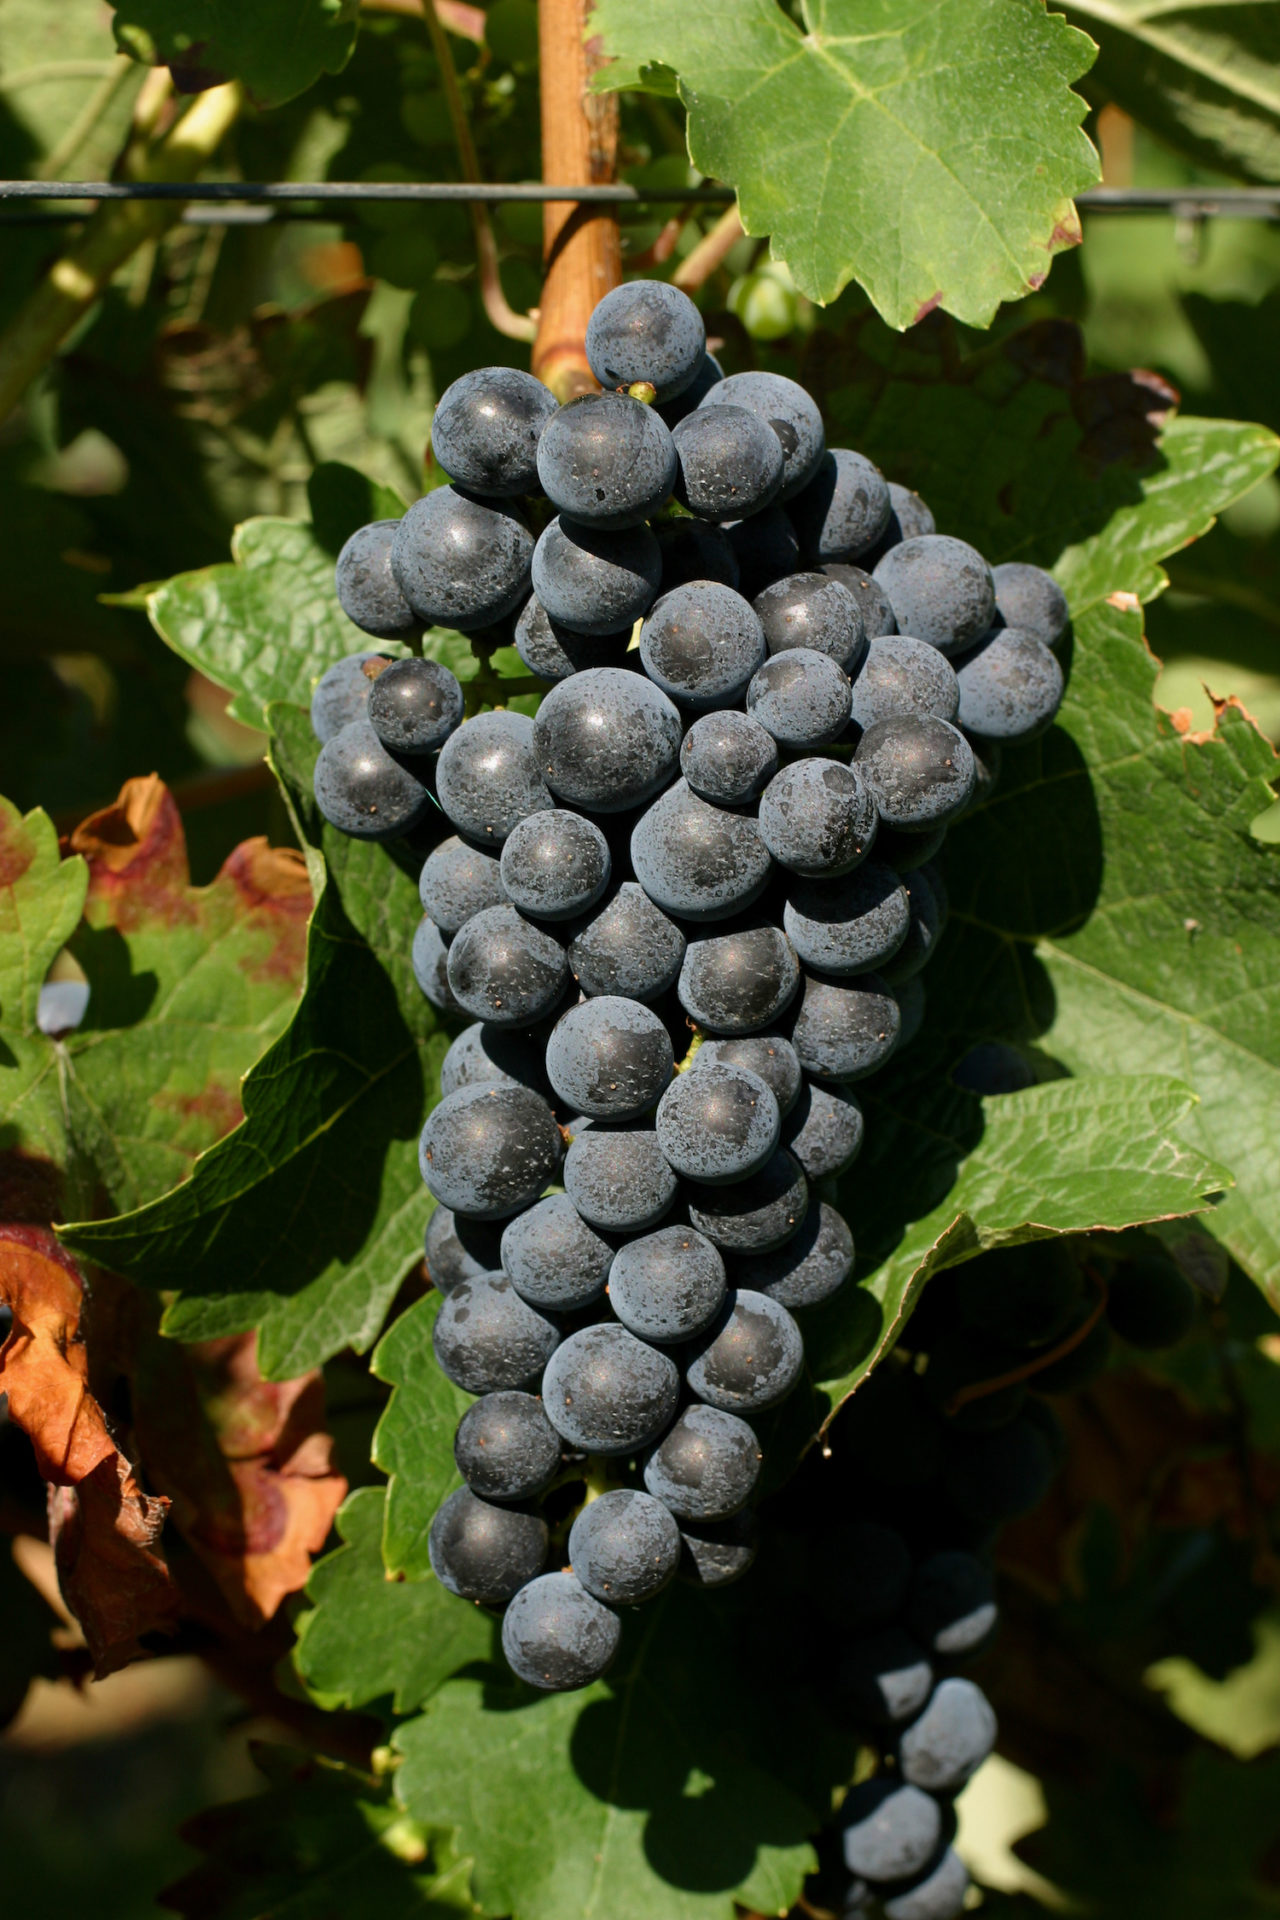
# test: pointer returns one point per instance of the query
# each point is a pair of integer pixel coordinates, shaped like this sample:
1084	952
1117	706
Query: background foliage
255	1050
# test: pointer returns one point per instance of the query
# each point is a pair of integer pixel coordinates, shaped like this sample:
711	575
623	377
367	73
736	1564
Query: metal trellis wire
260	202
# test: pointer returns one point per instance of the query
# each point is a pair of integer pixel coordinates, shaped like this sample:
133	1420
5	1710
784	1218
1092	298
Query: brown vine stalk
581	245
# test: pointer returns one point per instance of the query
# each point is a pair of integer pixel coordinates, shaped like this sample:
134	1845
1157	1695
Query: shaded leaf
1205	78
414	1441
333	1112
320	1840
105	1530
276	47
371	1637
667	1788
928	151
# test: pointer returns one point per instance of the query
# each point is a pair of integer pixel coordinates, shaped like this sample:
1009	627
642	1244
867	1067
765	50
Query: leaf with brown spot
187	987
105	1529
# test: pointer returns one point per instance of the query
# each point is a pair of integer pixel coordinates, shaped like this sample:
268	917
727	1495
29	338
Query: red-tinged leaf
104	1528
245	1461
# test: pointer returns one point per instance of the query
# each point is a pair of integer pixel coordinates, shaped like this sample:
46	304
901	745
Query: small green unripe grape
766	305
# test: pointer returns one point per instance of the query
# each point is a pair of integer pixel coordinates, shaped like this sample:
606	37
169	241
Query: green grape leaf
277	48
370	1637
1103	1152
54	61
187	986
667	1788
266	624
414	1441
319	1840
1205	78
304	1221
929	151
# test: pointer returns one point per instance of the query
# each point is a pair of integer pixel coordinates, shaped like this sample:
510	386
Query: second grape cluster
685	908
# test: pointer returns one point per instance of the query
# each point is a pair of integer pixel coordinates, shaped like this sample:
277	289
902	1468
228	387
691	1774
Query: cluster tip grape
684	910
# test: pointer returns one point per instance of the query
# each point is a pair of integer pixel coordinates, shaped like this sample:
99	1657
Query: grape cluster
771	687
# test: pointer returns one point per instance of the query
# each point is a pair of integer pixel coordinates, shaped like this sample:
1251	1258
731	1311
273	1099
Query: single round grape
852	924
738	982
461	562
430	961
924	929
646	330
801	698
949	1742
487	1339
414	706
486	428
941	590
901	675
765	547
863	1571
710	373
368	591
890	1831
727	757
952	1605
706	1468
908	516
552	651
487	776
1010	686
606	740
818	818
844	1029
556	1637
457	881
667	1286
627	947
456	1248
607	1392
730	462
698	861
504	969
606	461
811	610
920	771
555	864
767	1054
812	1265
906	851
826	1130
624	1547
993	1068
553	1258
488	1151
1150	1303
756	1216
506	1448
940	1893
362	791
595	582
484	1552
487	1055
792	414
751	1359
872	600
701	644
610	1058
716	1554
718	1125
695	550
342	693
618	1179
844	509
999	1474
1029	599
885	1677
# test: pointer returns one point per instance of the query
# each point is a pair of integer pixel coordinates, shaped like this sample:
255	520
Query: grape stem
979	1389
683	1066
